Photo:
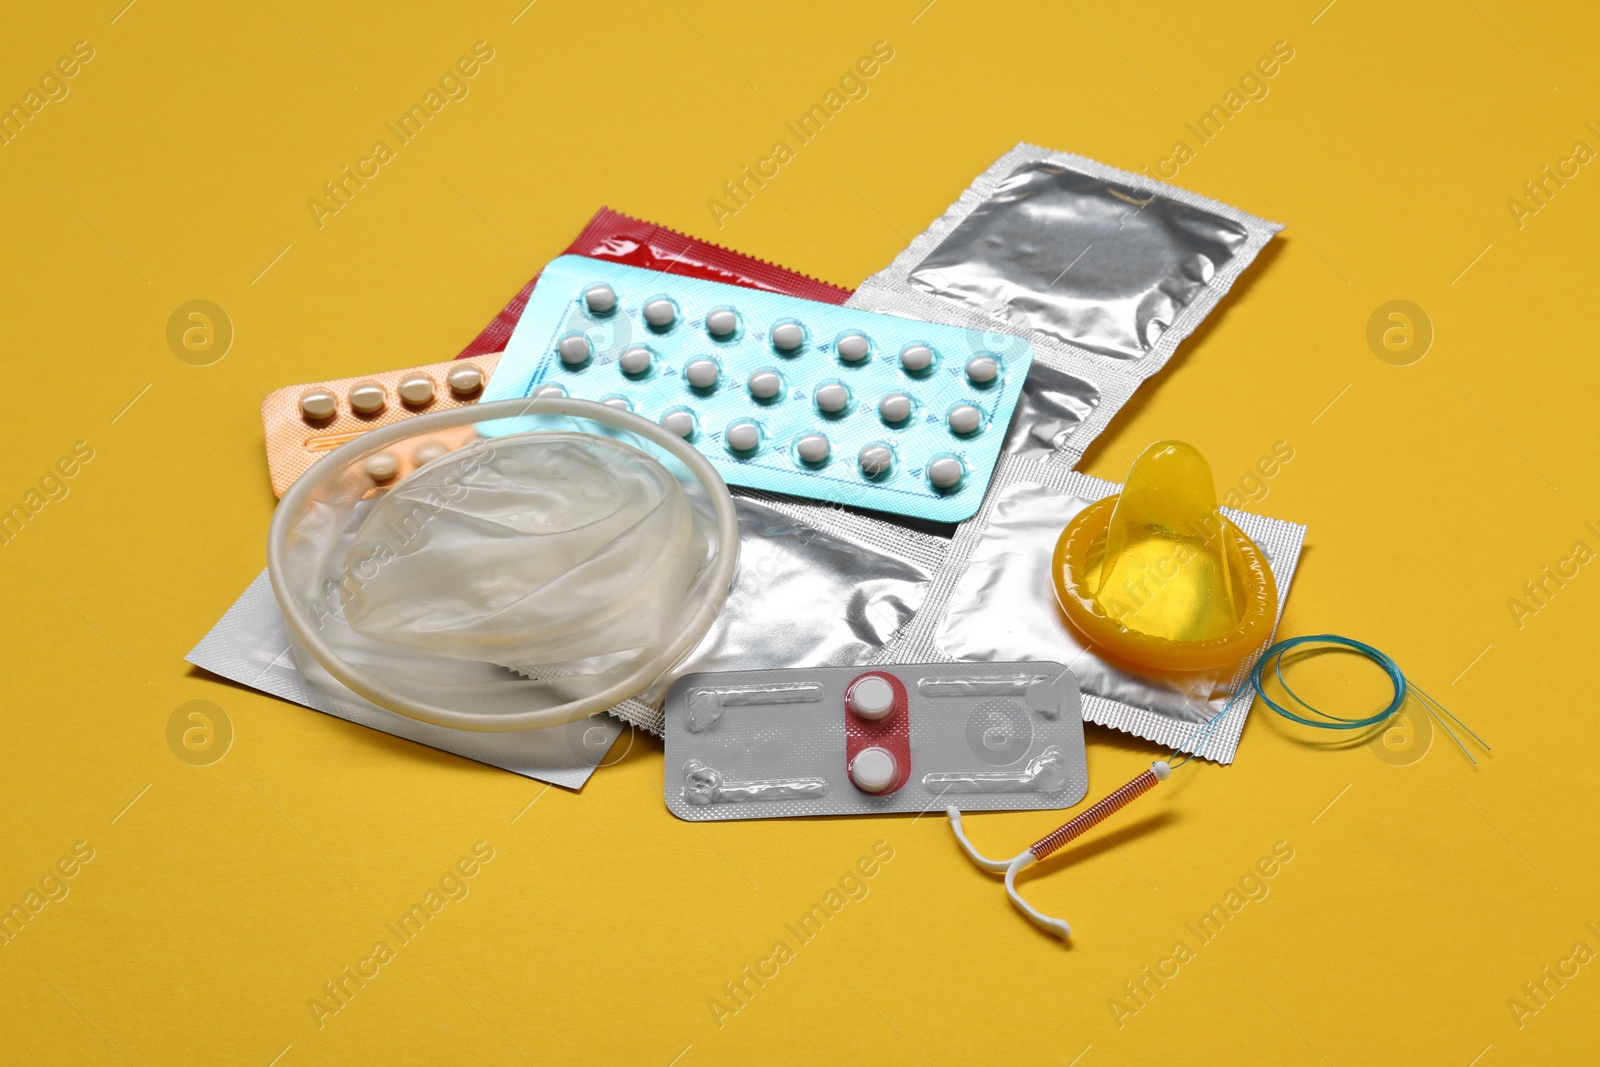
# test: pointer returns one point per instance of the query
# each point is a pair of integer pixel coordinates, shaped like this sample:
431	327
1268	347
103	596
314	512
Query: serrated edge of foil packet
899	542
1282	540
895	278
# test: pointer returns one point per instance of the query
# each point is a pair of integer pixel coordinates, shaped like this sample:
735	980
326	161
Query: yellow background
217	904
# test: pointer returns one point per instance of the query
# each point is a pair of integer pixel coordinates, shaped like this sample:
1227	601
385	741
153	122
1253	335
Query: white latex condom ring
721	567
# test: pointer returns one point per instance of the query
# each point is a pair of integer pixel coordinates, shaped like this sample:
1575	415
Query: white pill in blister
464	379
702	373
600	298
945	472
660	312
872	698
982	369
833	398
895	408
381	467
574	349
678	422
722	322
621	403
854	347
367	398
764	384
743	436
554	392
318	404
875	459
813	448
873	770
788	336
964	418
416	389
635	360
427	452
916	358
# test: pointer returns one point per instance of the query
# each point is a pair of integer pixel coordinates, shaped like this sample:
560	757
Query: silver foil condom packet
1103	270
873	740
994	601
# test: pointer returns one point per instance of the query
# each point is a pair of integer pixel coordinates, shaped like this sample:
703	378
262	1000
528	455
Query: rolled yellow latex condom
1158	576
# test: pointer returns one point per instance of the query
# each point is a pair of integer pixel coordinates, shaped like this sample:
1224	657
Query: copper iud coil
1056	838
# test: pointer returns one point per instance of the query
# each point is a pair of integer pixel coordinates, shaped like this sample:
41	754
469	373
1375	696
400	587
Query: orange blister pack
304	422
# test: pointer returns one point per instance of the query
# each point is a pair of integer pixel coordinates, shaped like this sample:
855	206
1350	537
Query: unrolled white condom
554	553
518	581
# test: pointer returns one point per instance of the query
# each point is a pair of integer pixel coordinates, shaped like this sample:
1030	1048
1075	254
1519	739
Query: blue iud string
1403	689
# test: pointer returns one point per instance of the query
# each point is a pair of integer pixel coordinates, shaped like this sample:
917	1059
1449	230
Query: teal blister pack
782	394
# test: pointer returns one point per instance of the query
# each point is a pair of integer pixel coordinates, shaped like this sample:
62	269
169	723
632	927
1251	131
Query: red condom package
621	239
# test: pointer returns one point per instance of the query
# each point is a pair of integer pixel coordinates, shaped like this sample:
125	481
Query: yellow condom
1158	576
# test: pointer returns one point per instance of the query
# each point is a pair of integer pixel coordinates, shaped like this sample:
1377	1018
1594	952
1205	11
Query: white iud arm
1158	772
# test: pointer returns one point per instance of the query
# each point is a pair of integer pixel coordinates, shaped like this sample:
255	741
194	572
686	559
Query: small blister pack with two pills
787	395
873	740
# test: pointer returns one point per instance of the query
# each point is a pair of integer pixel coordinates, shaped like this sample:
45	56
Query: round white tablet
873	770
679	422
764	384
813	448
788	336
982	369
702	373
366	398
381	466
427	452
416	389
660	312
464	379
945	472
916	358
875	459
318	404
574	349
872	698
832	398
621	403
722	322
854	347
895	408
743	436
635	360
964	418
602	299
551	391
